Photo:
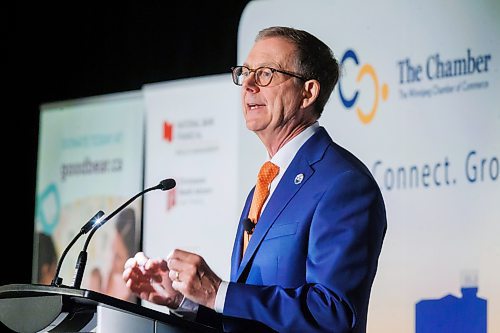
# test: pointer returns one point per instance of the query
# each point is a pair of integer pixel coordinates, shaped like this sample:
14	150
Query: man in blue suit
305	259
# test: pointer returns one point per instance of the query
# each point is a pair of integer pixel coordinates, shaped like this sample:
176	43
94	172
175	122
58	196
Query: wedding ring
177	276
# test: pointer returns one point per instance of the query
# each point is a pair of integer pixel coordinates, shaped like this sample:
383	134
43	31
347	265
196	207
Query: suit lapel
310	153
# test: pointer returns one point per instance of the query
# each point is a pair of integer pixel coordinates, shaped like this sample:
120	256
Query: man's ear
310	93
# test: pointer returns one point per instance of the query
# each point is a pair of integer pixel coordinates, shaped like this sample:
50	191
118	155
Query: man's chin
254	126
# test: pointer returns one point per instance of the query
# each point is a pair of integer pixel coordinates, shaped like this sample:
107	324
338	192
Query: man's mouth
253	106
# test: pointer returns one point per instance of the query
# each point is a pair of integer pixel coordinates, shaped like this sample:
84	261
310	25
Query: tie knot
268	172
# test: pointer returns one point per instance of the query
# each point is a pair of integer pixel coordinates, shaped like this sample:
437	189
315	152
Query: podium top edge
26	289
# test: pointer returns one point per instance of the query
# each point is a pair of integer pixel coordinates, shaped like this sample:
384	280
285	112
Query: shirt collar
285	154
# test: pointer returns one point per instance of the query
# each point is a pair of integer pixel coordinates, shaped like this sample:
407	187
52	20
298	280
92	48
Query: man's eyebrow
266	64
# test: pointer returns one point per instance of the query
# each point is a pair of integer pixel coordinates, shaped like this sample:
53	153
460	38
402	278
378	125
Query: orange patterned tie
266	175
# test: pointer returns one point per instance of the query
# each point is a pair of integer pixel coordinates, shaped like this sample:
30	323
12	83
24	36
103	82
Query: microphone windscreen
167	184
248	225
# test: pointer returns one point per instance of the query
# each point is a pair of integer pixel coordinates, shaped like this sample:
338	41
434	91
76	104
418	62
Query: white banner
418	103
192	138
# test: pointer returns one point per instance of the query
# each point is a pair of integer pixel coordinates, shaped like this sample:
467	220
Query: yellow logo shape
368	69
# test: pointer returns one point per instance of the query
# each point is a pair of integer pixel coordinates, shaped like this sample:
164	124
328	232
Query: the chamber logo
440	75
381	91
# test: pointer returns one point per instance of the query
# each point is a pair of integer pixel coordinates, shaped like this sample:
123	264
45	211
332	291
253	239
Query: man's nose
249	83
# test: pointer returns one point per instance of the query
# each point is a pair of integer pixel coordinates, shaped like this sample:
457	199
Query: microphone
165	184
96	223
248	225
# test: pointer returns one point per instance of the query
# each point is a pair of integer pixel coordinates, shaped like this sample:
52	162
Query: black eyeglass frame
273	70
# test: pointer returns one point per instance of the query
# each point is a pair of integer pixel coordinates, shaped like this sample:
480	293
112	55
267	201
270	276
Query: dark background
65	51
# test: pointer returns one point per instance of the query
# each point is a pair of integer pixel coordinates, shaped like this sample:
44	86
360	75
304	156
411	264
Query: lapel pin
299	178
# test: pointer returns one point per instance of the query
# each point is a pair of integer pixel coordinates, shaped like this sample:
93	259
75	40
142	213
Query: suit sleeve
345	239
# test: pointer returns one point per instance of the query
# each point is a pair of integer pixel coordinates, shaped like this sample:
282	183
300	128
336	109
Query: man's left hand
192	277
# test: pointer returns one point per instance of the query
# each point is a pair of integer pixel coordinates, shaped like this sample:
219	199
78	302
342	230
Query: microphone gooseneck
164	185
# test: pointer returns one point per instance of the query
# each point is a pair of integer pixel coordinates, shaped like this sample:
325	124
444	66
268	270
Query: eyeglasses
263	75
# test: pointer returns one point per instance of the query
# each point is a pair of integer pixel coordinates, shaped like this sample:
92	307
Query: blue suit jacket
312	258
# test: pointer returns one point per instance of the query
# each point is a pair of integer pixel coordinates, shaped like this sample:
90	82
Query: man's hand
192	277
149	279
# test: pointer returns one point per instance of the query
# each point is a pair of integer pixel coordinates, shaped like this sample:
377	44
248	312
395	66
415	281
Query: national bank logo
350	98
168	129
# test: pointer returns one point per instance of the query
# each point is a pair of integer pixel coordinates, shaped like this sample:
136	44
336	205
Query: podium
40	308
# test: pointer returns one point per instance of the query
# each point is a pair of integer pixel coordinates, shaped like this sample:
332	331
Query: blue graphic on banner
451	314
48	217
379	90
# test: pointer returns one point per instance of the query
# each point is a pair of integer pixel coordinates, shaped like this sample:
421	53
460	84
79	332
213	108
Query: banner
418	103
192	137
89	159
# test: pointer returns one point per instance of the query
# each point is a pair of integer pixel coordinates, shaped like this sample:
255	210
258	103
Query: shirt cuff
220	298
186	310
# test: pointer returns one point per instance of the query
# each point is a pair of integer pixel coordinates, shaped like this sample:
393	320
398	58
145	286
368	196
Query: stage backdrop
89	159
418	102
